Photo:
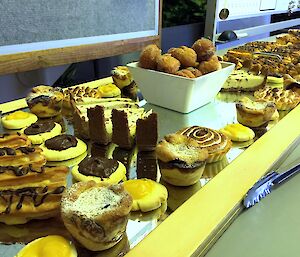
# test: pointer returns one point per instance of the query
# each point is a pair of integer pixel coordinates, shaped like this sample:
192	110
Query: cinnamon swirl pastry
216	143
96	215
14	140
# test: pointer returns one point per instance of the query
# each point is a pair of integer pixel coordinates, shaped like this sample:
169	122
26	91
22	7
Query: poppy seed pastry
181	159
216	143
96	215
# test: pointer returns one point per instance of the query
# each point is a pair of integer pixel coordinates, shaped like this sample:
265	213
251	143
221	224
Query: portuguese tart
284	99
215	142
254	114
40	131
14	140
63	147
18	120
49	246
181	159
96	215
147	194
99	169
45	101
109	90
238	132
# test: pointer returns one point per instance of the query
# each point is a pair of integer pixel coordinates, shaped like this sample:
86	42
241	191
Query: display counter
193	227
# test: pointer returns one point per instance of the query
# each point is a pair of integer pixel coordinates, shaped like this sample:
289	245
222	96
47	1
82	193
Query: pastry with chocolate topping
63	147
45	101
181	159
40	131
99	169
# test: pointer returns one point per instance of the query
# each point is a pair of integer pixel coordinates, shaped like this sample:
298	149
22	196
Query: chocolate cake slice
97	128
147	165
146	132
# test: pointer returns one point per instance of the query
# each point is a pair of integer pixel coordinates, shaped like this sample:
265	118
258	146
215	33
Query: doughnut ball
204	48
168	64
187	56
149	56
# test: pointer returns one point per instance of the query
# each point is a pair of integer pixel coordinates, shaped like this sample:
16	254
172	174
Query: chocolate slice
97	129
39	127
97	166
146	133
121	133
61	142
147	165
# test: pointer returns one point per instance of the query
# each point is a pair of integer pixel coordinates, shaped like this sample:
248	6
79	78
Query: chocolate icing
183	166
43	99
61	142
39	127
97	166
38	196
7	151
20	170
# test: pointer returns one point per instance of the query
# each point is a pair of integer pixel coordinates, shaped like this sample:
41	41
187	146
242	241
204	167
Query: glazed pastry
32	195
185	55
167	63
204	48
99	169
147	194
254	113
149	56
20	156
109	90
14	140
49	246
189	73
212	64
63	147
181	160
216	143
284	99
45	101
121	76
238	132
40	131
96	215
18	120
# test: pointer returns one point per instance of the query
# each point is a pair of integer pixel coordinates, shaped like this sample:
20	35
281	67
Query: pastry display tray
199	213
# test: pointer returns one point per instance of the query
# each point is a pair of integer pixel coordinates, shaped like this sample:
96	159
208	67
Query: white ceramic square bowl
178	93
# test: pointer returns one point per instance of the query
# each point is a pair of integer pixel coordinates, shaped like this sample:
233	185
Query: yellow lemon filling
49	246
238	132
109	90
18	120
147	195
